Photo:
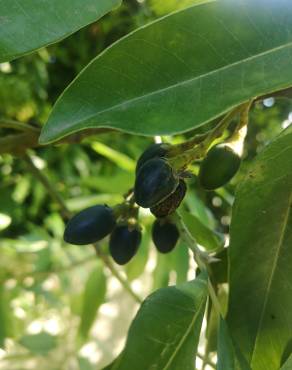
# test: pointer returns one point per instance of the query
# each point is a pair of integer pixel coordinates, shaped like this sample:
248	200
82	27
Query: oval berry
218	167
164	235
124	243
171	203
153	151
90	225
155	181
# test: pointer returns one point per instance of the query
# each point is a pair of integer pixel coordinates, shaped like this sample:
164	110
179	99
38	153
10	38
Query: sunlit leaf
94	295
85	364
137	265
180	262
161	7
120	159
39	344
161	272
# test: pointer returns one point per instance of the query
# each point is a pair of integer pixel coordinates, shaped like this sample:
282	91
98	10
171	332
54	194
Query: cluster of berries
159	187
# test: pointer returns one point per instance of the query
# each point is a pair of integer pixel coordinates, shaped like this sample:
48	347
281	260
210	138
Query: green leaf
260	305
219	269
206	237
84	364
165	332
288	364
213	318
113	365
137	265
120	159
161	272
228	356
39	344
225	351
27	25
3	316
161	7
181	71
94	295
175	262
180	262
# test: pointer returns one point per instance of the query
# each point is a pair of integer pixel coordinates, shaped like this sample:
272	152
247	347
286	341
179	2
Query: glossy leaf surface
181	70
179	311
28	25
260	306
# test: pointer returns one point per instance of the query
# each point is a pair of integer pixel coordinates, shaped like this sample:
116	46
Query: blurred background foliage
60	308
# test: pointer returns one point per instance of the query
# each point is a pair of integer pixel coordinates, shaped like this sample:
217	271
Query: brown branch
17	144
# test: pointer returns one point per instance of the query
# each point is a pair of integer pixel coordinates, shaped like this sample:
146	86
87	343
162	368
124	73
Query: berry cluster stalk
66	214
181	155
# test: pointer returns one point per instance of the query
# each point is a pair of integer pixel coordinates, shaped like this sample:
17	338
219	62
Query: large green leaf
229	357
94	295
288	364
26	25
181	71
260	306
225	352
165	332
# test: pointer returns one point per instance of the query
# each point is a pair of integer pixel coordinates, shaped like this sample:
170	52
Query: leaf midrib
181	83
274	265
184	337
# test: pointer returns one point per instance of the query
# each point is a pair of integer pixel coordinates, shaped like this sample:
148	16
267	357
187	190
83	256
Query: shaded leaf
213	318
181	71
219	269
260	305
228	356
206	237
27	25
288	364
225	351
